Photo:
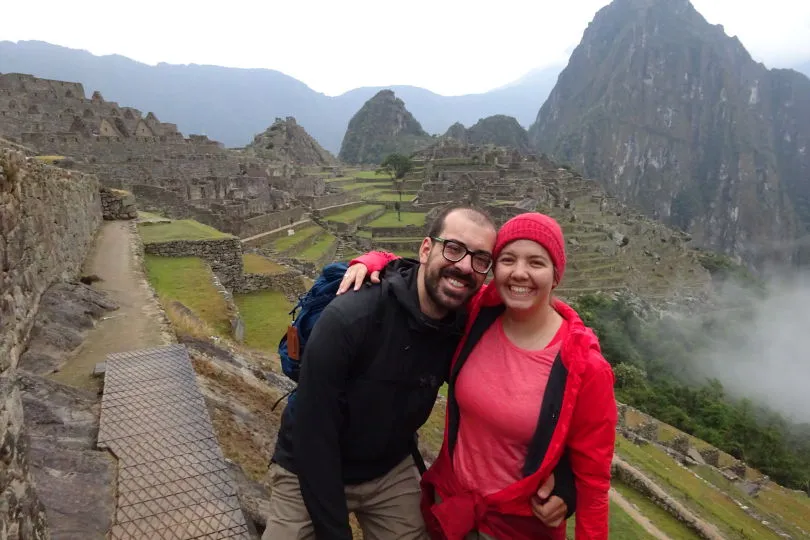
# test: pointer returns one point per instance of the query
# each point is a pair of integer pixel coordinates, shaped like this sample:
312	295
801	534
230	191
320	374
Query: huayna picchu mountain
673	115
382	126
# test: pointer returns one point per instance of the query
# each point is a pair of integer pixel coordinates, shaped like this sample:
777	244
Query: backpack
312	303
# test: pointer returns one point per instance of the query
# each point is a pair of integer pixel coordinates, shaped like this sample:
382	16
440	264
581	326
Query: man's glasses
454	251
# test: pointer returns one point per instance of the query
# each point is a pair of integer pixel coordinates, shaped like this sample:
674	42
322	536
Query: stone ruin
184	177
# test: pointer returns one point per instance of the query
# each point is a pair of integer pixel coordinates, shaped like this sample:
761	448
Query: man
370	374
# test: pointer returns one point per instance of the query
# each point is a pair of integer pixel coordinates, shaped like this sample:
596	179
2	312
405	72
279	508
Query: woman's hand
550	511
354	276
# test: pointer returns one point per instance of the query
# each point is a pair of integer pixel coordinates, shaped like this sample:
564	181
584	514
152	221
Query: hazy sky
448	46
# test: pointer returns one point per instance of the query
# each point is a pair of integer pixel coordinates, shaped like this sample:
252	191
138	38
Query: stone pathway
173	481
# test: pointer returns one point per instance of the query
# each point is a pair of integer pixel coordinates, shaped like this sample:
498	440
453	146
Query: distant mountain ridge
233	105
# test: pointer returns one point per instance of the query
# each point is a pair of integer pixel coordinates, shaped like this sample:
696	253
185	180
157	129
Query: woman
528	387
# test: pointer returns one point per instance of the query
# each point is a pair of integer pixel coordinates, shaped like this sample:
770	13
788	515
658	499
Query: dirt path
136	324
637	516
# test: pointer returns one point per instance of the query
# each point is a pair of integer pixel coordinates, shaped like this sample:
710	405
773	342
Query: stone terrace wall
48	218
268	222
289	283
223	254
118	204
326	201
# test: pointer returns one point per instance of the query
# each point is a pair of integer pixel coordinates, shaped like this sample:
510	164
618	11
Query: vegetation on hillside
382	126
183	229
653	361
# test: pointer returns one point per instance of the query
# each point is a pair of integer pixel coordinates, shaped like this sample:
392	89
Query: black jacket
370	374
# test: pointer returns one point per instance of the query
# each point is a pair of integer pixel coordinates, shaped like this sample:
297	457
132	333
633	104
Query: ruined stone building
182	176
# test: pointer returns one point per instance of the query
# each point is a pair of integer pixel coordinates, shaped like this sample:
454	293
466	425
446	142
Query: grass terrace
287	242
265	315
365	187
183	229
256	264
349	216
389	219
389	197
317	249
697	494
371	175
146	216
189	281
666	522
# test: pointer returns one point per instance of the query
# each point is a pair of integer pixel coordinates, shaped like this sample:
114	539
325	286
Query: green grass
696	494
366	186
149	215
370	175
622	526
388	197
188	280
389	219
266	316
666	522
789	511
256	264
286	242
349	216
316	250
184	229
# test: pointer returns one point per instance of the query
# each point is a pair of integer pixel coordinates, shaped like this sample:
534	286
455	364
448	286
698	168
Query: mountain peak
382	125
285	140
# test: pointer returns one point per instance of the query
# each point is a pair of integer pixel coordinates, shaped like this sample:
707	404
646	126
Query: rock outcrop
382	126
500	130
671	114
286	141
458	132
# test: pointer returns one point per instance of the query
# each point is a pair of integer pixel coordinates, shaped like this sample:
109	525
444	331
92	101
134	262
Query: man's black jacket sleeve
318	416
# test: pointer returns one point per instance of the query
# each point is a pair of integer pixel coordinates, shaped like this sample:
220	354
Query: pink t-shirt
499	391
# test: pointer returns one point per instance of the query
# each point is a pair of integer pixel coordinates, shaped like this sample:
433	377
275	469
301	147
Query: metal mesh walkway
173	481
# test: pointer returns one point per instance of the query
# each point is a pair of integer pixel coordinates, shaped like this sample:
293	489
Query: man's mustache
455	273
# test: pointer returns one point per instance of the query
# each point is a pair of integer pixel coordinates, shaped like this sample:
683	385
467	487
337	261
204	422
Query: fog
766	359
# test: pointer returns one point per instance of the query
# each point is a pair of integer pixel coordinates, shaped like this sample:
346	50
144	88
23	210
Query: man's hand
550	511
355	275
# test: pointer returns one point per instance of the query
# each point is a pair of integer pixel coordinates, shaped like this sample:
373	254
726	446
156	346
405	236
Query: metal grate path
173	481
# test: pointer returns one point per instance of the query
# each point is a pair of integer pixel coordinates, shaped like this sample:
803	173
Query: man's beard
457	299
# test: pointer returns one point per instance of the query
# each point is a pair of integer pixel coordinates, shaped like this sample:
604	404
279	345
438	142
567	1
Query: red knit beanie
540	228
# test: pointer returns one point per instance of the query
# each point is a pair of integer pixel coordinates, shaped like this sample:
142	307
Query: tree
396	166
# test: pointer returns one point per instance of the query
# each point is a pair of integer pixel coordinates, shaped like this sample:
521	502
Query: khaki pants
387	508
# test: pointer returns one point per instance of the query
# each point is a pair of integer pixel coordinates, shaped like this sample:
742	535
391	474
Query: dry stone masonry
48	218
118	204
223	254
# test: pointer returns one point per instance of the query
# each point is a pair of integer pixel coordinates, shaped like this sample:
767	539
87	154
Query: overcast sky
449	46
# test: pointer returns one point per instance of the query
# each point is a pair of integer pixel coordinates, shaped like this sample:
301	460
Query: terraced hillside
693	497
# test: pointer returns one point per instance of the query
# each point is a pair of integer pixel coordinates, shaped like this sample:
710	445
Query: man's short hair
478	215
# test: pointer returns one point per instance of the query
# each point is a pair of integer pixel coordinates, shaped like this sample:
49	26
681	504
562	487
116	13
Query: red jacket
585	425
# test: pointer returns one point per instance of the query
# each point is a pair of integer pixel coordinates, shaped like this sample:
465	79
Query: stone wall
270	221
48	218
117	204
631	476
317	203
289	283
223	254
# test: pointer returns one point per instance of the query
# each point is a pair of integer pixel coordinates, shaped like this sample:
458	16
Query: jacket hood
580	337
401	277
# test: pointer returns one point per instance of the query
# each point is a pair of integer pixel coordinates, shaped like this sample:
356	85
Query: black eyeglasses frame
467	251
